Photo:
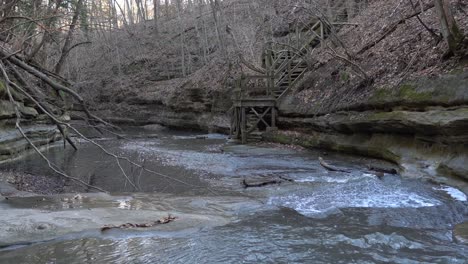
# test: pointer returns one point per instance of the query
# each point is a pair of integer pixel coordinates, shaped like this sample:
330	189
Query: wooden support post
289	70
321	34
297	37
272	81
243	125
238	123
233	120
273	117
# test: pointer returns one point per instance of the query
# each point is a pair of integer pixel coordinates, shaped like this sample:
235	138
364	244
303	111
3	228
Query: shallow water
322	217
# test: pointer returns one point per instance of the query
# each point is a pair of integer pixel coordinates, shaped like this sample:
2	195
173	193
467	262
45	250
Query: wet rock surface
13	144
452	123
415	158
320	216
37	219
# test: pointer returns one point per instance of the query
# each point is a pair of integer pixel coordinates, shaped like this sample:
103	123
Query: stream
319	217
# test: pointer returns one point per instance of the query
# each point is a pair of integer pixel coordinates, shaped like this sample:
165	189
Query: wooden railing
281	61
249	86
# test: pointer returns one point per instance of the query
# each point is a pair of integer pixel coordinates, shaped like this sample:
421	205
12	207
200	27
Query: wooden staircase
255	97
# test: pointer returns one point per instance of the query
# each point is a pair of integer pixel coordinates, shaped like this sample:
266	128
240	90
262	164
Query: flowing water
321	217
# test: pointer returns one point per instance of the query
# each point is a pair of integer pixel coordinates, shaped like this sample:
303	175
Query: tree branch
392	28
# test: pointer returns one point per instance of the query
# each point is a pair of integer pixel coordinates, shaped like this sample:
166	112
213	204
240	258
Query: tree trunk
130	12
141	10
113	15
179	17
166	4
46	37
155	15
451	32
202	35
215	7
68	39
122	10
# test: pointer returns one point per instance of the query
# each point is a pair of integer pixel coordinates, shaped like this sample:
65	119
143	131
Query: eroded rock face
452	123
7	110
188	108
422	125
456	166
415	158
13	144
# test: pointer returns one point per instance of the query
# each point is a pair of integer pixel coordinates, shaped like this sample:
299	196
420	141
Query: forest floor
386	41
393	49
16	183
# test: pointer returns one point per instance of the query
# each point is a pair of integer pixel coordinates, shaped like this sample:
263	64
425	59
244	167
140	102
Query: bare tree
450	31
156	15
68	39
216	10
182	34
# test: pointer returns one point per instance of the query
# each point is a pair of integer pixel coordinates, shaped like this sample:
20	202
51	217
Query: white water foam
453	192
367	194
337	178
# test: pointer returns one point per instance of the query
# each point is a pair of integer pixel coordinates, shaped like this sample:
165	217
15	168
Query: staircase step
299	69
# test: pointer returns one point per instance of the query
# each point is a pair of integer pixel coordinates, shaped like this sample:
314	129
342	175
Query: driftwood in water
265	183
379	174
330	167
382	170
161	221
286	179
260	184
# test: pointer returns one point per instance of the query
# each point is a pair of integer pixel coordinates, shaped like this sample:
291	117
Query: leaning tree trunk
215	8
68	39
451	32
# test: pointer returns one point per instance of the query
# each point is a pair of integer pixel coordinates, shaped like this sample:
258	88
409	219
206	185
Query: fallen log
261	184
330	167
382	169
286	179
161	221
379	175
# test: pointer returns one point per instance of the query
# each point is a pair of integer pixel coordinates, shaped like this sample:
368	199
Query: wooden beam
273	117
260	117
243	124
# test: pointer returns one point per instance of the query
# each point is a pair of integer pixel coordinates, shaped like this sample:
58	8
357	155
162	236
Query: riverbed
310	215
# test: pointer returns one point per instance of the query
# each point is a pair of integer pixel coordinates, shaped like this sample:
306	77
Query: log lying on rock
266	183
286	179
330	167
382	169
260	184
161	221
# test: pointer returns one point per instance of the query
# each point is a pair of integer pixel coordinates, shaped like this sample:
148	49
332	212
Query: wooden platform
251	117
254	102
